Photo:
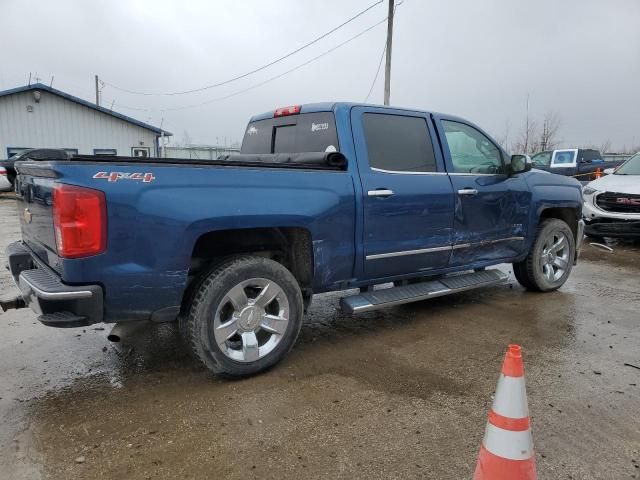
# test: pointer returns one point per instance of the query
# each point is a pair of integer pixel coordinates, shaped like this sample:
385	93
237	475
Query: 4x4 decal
115	176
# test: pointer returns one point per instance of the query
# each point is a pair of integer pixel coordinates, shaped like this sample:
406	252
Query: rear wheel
550	260
245	316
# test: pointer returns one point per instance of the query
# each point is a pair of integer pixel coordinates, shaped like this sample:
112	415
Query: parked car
580	163
322	197
612	203
5	184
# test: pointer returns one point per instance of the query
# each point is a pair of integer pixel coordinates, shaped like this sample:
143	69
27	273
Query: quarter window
398	143
471	151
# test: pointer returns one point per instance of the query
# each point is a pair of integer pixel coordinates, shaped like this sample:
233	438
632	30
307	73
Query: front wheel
245	316
550	260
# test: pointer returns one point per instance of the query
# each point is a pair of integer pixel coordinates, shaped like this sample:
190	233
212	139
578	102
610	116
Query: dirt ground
400	393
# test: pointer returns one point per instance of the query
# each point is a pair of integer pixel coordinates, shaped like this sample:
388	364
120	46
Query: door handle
380	192
468	191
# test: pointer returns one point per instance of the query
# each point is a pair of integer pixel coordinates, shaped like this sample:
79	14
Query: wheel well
289	246
566	214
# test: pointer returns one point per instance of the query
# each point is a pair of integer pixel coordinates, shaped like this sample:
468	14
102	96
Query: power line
252	87
377	72
225	82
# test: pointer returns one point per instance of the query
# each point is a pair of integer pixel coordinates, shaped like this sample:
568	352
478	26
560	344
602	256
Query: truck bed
309	160
158	209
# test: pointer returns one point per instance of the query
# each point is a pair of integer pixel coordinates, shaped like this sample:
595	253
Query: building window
110	152
142	152
15	151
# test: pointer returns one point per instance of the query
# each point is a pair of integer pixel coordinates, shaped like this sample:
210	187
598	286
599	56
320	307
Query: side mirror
520	164
609	171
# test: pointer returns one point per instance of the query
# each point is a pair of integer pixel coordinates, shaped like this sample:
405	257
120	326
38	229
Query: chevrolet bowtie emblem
27	215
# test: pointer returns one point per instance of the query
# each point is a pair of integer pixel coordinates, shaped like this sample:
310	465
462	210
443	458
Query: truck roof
333	106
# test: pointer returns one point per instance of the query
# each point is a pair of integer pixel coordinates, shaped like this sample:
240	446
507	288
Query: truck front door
491	208
408	198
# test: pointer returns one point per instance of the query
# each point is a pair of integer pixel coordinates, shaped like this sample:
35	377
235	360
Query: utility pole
526	138
387	67
97	93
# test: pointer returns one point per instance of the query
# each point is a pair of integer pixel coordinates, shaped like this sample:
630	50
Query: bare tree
186	139
503	138
527	140
548	138
605	146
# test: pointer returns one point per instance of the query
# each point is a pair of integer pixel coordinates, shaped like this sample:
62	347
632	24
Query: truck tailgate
35	191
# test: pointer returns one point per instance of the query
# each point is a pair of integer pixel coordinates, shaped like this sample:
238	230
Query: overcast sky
474	58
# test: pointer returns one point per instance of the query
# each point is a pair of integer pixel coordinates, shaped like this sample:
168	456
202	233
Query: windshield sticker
252	130
319	126
115	176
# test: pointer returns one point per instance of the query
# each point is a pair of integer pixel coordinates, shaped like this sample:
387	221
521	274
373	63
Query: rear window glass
285	138
307	132
398	143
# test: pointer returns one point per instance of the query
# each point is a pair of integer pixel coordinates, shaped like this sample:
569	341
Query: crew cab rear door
408	198
491	208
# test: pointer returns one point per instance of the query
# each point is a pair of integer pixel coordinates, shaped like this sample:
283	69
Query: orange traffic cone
506	452
598	173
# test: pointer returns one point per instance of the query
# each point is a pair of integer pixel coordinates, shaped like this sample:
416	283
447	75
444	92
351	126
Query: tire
550	260
245	316
520	272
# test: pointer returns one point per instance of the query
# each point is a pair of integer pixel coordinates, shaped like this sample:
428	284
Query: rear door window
589	156
307	132
398	143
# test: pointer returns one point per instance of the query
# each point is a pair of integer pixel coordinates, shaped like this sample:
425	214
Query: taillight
284	111
3	171
79	220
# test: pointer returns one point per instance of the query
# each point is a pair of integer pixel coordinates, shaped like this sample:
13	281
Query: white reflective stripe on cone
511	397
508	444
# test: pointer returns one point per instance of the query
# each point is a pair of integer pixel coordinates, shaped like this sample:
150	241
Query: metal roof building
39	116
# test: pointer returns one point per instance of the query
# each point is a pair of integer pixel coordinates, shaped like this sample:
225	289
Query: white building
38	116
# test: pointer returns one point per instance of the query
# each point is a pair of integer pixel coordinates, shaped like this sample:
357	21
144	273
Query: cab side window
471	150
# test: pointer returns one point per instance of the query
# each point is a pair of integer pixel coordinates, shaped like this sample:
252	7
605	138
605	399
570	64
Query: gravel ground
400	393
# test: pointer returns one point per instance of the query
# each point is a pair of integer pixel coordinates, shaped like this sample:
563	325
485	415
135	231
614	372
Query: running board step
388	297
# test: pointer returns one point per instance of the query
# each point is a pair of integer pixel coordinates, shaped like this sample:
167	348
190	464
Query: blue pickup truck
322	197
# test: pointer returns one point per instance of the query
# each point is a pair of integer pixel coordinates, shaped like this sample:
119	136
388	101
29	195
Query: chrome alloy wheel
554	259
251	319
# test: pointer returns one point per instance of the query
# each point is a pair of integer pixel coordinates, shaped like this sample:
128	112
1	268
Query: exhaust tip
115	335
